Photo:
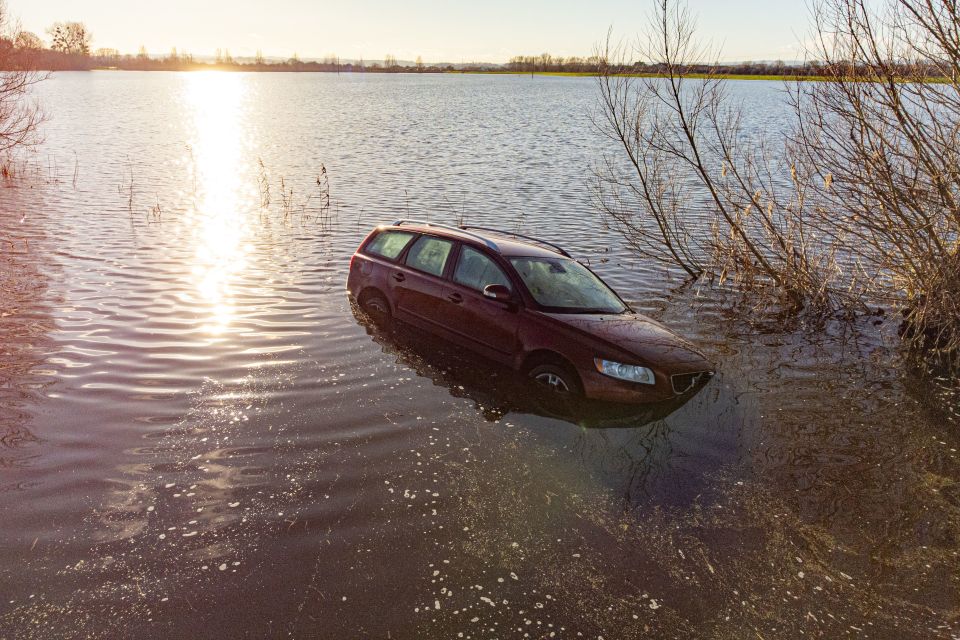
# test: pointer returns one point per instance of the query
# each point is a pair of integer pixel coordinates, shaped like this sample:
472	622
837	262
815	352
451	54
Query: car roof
511	248
502	242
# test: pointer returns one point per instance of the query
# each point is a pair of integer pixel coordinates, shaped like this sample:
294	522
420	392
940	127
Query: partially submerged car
525	303
495	390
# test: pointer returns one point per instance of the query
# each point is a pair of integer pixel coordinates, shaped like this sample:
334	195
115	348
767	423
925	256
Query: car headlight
628	372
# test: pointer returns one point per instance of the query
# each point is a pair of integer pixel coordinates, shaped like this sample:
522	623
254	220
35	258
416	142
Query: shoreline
557	74
492	72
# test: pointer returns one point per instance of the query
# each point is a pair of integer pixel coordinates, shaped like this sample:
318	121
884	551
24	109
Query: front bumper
597	386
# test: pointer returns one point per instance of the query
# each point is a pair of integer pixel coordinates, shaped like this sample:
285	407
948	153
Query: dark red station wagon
525	303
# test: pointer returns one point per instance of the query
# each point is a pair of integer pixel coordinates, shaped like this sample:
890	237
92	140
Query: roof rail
461	230
511	234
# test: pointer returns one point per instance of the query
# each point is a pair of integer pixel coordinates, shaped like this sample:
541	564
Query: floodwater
200	438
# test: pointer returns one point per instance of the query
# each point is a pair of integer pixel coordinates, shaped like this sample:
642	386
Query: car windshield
566	285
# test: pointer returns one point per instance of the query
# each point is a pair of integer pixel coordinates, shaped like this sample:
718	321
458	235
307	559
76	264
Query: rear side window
389	244
429	255
476	270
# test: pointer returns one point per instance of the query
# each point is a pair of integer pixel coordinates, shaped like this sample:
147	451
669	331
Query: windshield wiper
589	311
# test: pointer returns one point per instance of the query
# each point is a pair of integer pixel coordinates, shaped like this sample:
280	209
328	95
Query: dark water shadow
934	383
635	451
496	390
25	324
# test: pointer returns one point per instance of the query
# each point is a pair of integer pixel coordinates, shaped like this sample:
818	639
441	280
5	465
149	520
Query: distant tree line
546	63
70	48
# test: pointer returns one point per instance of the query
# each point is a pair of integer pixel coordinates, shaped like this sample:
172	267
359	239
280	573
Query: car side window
475	270
389	244
429	255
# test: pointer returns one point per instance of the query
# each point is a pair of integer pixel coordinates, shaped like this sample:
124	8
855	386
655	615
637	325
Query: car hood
648	340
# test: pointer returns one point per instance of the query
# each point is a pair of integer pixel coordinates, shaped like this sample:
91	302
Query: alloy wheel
553	382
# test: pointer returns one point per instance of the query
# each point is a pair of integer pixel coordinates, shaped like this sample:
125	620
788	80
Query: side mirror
498	292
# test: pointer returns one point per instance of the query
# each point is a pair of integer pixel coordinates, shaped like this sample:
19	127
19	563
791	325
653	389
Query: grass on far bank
592	74
699	76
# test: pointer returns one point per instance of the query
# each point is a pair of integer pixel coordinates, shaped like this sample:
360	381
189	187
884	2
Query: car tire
377	307
557	378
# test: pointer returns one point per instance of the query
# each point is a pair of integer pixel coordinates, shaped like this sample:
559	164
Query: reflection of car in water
526	304
496	390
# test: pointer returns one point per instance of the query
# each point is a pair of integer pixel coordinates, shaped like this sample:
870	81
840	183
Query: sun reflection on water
219	230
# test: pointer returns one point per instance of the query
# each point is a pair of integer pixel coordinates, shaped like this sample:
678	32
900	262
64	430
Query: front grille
684	382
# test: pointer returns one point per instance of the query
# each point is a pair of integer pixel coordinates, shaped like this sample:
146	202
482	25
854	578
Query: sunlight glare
219	230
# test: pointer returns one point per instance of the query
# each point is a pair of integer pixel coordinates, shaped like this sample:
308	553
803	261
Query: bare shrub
884	132
683	137
858	202
20	114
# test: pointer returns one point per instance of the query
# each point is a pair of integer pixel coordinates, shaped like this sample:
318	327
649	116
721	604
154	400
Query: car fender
539	332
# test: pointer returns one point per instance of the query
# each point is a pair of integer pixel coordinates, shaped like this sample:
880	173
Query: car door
418	284
482	323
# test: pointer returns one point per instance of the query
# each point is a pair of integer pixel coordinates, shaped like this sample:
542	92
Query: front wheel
557	379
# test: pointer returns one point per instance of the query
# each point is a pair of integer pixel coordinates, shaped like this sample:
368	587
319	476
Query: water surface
199	437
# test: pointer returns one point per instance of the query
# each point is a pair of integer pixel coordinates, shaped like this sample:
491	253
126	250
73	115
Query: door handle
455	298
399	277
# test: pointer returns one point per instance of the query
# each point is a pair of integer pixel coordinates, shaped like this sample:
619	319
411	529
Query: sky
452	31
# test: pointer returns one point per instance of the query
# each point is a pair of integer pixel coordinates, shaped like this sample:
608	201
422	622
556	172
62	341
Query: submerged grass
316	206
